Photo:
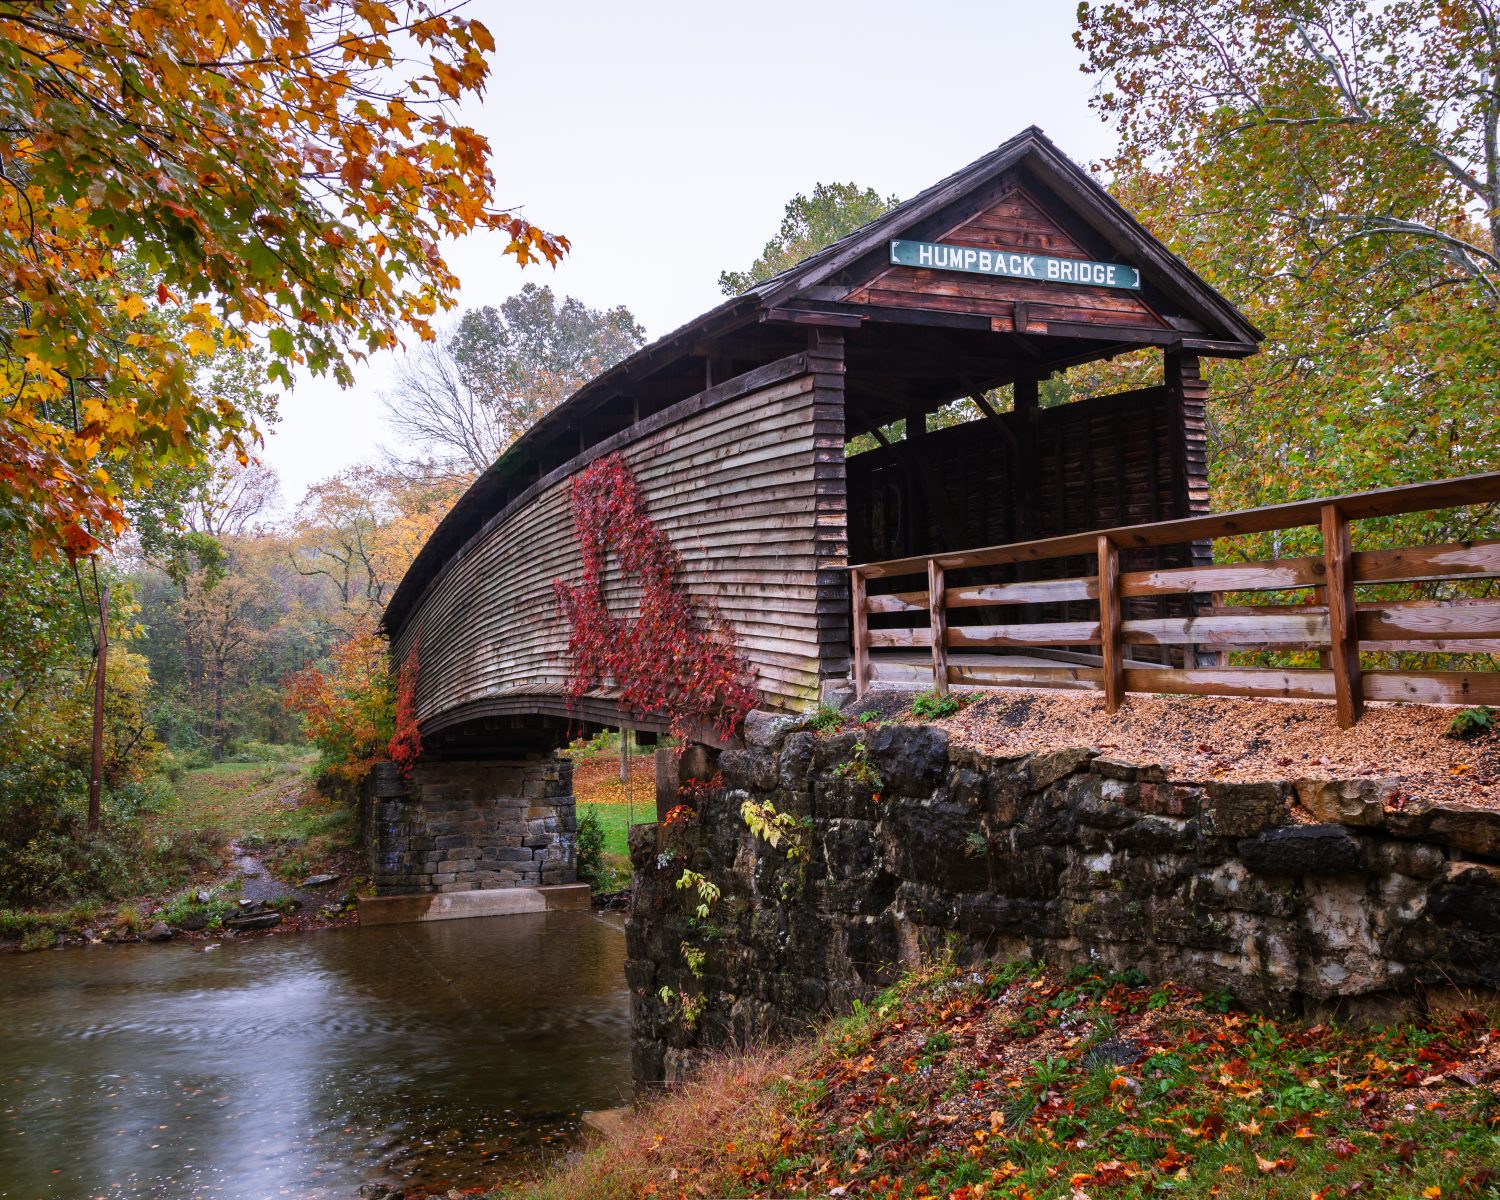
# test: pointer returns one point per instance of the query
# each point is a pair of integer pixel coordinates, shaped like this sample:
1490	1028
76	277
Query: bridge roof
850	284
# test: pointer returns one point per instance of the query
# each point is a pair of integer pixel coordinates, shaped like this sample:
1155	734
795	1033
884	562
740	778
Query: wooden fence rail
1335	621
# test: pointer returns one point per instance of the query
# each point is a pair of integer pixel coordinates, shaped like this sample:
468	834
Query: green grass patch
1011	1080
272	801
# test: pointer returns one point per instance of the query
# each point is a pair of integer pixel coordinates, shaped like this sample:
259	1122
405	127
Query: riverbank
1013	1080
273	855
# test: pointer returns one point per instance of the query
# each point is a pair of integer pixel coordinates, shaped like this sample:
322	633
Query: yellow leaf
132	306
198	342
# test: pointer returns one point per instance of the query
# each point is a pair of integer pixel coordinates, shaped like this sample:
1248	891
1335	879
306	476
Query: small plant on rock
1473	722
823	719
930	706
858	768
774	827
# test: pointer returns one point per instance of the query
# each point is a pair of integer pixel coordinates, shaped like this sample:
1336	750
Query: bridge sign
1014	264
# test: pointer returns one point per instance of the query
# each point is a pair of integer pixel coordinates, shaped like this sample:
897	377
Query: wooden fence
1335	621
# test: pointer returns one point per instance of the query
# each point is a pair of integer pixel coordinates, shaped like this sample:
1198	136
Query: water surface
450	1053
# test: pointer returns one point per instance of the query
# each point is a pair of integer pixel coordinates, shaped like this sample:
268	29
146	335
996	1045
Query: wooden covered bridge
1093	510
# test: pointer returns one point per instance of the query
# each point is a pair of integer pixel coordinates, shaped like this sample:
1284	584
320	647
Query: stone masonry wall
1291	896
458	826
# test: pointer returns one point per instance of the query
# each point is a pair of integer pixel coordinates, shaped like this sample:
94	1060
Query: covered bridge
737	427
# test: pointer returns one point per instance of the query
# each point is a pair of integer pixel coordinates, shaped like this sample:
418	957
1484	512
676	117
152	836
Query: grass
266	806
245	800
1018	1081
597	789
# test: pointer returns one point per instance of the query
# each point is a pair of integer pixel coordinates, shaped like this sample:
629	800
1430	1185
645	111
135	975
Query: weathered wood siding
746	478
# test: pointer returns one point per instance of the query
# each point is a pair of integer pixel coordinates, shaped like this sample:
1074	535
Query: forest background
1333	168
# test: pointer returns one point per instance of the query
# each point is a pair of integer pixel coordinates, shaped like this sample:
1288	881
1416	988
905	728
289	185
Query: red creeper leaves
406	742
673	658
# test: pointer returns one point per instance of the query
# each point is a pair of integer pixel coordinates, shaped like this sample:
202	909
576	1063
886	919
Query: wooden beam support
1109	624
1343	636
937	600
860	631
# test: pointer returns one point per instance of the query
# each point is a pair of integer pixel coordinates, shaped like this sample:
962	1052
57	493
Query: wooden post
860	627
938	614
1111	649
624	755
96	765
1343	635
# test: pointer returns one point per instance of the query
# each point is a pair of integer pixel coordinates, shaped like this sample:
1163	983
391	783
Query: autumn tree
1332	167
359	530
833	211
467	396
283	169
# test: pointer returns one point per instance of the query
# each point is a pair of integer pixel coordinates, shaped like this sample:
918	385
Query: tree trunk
96	762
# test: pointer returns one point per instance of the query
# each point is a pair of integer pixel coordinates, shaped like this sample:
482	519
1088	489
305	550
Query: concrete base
490	902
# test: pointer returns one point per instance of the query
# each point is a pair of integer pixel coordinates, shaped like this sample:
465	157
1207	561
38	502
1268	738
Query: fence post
937	598
860	631
1109	624
1343	634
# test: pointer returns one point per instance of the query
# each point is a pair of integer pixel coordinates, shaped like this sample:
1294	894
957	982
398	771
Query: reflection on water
437	1054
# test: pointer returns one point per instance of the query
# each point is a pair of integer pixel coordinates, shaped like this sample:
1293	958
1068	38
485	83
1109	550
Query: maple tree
673	657
347	707
177	178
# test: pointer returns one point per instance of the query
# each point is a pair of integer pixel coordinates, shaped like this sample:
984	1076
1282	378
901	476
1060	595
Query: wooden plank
938	619
1343	633
1434	646
1049	633
1231	681
1040	591
861	631
1473	560
897	602
990	675
1437	620
882	638
1445	493
1283	629
1109	624
1434	687
1271	575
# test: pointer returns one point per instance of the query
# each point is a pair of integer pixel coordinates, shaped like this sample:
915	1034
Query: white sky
664	138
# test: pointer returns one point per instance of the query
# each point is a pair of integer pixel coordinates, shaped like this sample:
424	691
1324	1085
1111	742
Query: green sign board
1014	265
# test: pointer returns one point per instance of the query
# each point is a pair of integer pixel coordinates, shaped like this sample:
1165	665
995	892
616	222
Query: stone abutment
462	826
1292	896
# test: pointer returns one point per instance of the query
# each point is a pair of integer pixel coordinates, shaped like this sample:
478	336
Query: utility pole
96	769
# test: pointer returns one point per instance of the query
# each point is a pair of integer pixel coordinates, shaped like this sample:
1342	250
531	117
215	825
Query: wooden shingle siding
745	481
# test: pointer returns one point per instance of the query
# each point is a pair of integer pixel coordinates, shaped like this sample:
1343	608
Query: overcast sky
664	139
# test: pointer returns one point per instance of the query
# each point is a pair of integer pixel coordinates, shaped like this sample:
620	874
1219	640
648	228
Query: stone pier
466	826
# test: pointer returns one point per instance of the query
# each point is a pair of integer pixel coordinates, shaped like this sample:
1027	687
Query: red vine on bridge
673	658
405	746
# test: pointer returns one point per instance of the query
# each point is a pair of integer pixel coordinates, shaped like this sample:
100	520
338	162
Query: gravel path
1220	738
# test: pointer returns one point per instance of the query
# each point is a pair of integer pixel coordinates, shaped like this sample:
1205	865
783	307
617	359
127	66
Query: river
446	1054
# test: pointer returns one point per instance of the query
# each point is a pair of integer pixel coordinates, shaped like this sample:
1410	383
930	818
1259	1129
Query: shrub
347	711
930	706
591	868
39	937
823	718
1472	722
